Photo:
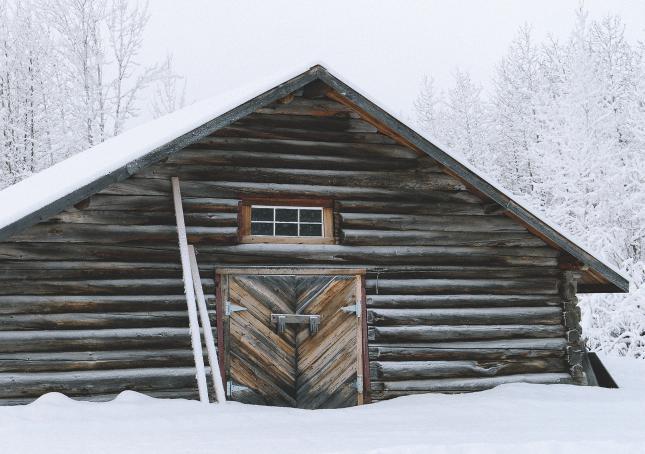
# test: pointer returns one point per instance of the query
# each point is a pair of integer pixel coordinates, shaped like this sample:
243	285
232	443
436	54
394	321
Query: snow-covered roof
48	192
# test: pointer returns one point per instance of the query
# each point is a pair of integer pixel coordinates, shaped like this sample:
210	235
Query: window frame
244	221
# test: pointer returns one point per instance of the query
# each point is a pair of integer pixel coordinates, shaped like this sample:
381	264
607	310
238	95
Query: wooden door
295	366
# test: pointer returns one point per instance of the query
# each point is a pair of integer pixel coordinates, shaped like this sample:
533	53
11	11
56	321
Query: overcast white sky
383	48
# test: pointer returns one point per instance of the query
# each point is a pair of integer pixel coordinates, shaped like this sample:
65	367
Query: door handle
281	320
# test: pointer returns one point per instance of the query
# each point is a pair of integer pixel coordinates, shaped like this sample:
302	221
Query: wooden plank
190	294
115	234
460	300
438	223
14	384
363	237
64	304
429	333
104	339
404	387
213	360
463	286
94	360
475	350
289	271
420	370
485	316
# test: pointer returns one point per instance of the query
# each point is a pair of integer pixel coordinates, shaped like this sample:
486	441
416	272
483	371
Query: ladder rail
213	361
195	337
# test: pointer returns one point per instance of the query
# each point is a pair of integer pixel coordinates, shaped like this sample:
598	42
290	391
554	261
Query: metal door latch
281	320
353	309
229	308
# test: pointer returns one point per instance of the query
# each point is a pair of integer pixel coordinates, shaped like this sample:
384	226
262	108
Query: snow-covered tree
564	128
70	77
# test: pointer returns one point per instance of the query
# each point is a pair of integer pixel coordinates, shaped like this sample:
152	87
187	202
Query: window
286	221
262	223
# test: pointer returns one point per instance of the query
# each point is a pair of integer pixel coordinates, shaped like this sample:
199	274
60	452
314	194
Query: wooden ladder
196	301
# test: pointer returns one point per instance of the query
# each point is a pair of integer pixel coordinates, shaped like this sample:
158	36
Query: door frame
361	344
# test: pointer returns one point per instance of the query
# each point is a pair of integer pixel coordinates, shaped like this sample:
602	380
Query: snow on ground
515	418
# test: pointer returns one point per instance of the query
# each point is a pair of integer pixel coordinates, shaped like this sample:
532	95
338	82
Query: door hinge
229	308
359	384
234	388
353	309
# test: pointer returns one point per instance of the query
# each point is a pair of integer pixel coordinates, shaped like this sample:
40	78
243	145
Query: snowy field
514	418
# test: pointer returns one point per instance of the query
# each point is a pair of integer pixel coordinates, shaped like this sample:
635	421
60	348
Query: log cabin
344	259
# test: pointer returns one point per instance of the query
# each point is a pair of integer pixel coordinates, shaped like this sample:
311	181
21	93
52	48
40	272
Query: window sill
286	239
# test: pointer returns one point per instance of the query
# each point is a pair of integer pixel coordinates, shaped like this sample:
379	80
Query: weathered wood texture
460	296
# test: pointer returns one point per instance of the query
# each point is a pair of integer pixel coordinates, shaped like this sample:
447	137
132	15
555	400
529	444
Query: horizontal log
463	272
278	254
461	300
313	107
94	320
486	286
430	333
311	123
65	270
377	255
408	180
84	340
285	159
163	203
258	131
113	234
364	152
94	360
101	287
90	382
418	370
484	316
443	204
396	388
147	218
478	350
228	189
56	304
417	237
438	223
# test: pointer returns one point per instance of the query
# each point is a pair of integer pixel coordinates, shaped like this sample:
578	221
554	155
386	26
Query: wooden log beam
438	223
463	286
83	340
409	180
94	360
80	320
364	237
100	381
430	333
297	159
419	370
272	254
228	189
396	388
63	304
364	152
100	287
459	300
122	234
442	206
160	203
147	218
477	350
311	107
485	316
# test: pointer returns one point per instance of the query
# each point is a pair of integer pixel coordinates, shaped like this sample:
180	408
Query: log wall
460	297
